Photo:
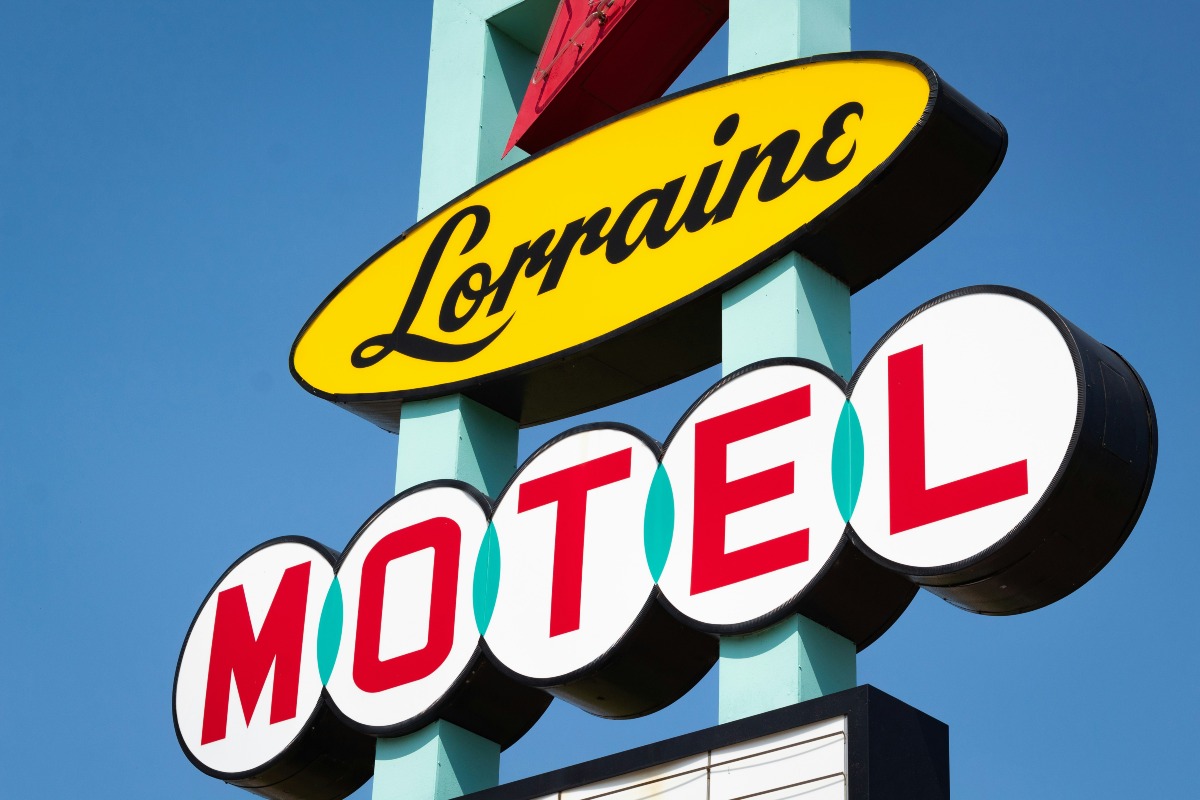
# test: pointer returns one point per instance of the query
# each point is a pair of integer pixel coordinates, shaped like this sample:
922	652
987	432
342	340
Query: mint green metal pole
476	45
792	308
481	54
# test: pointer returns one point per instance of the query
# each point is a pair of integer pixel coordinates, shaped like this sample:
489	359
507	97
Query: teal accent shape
847	464
659	522
329	631
486	585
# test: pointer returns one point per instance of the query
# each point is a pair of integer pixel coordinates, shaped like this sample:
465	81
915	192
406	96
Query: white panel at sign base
412	610
243	746
829	788
685	779
1000	388
803	446
806	762
596	598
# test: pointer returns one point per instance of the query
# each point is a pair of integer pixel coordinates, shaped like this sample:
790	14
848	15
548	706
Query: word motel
998	471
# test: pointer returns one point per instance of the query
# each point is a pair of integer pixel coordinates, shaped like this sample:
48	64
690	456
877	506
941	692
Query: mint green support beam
766	31
481	56
790	661
455	437
446	437
792	308
441	760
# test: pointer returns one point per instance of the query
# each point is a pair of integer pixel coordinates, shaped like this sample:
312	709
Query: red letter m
239	655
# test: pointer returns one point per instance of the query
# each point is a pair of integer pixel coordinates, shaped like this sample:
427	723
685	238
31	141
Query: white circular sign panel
259	625
573	575
774	428
406	581
994	383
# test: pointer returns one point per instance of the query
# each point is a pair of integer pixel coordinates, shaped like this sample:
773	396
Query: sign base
860	744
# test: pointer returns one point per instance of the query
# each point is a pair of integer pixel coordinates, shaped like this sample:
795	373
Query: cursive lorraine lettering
549	254
401	339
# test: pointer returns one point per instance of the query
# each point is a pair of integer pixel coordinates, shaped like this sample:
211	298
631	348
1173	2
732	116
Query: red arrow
602	57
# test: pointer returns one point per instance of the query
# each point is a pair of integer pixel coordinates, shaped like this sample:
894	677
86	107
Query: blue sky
180	186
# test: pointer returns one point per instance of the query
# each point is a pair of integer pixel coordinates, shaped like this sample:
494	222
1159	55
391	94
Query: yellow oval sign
592	272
